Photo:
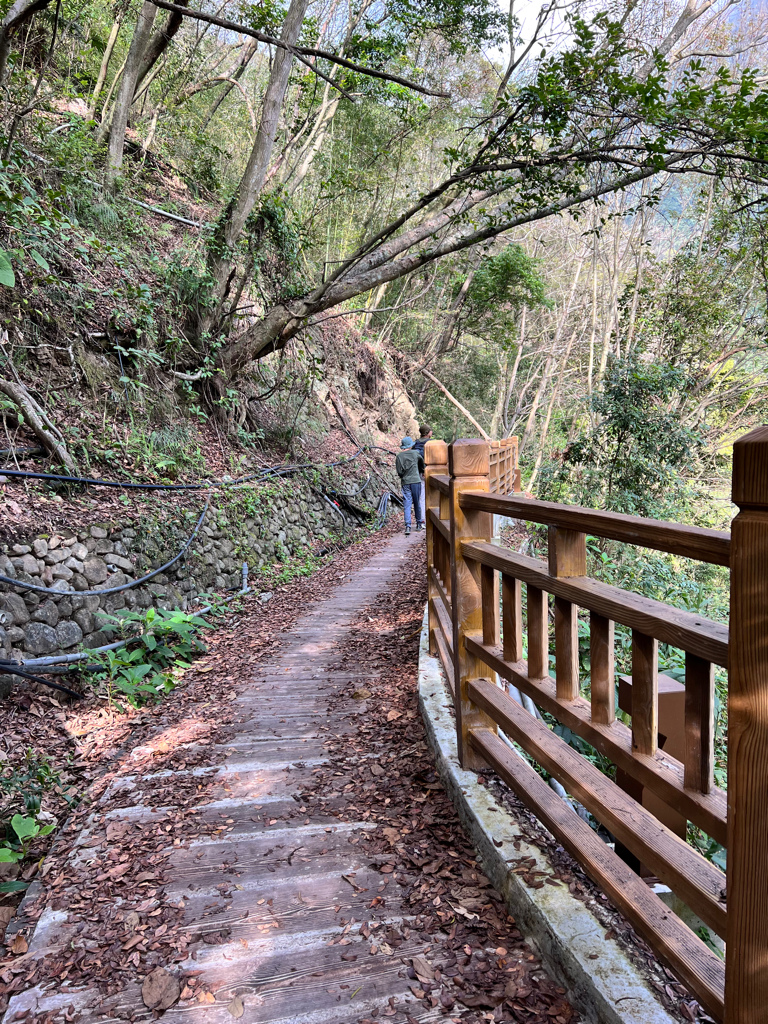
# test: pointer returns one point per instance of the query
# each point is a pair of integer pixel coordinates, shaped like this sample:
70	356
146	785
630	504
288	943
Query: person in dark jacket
425	434
410	465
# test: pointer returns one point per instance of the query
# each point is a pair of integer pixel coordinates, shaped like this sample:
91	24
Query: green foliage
638	455
264	16
502	285
470	374
289	568
7	276
167	640
275	240
25	787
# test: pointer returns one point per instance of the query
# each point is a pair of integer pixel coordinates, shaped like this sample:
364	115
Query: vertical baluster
567	552
445	515
602	681
489	586
435	461
645	693
538	633
699	723
512	614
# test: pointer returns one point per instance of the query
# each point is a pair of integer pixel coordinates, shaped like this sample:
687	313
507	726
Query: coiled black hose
12	669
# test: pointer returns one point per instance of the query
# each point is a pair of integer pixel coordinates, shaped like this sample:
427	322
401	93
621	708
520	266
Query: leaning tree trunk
106	58
133	67
232	223
249	48
15	17
37	419
159	43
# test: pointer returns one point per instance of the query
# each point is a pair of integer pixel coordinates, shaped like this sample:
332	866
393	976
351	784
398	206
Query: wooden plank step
281	988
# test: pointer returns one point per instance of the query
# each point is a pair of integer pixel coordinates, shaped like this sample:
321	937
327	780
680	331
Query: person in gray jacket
410	465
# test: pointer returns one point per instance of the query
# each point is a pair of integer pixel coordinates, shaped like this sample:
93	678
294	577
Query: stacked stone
100	558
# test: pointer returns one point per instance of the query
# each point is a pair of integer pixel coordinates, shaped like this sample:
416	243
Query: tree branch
451	398
299	51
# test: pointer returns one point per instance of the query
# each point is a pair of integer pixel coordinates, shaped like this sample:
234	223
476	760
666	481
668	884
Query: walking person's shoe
419	526
407	531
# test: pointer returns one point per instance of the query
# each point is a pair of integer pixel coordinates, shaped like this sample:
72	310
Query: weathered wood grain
469	467
675	943
747	942
601	661
676	538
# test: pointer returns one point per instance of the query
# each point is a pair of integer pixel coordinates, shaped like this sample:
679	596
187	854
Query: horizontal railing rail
704	545
505	624
683	629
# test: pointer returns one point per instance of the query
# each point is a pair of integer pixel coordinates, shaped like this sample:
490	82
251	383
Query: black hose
26	450
111	590
354	494
205	486
10	668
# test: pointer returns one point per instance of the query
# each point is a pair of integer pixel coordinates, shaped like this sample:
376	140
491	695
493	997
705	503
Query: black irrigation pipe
112	590
354	494
36	450
202	486
17	668
12	668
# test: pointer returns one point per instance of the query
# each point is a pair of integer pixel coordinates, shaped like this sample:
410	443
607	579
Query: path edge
606	990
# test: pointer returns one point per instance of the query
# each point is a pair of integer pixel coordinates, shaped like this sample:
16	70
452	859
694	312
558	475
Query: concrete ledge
608	989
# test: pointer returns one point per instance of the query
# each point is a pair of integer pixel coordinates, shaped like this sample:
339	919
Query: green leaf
40	260
7	276
24	827
8	856
13	886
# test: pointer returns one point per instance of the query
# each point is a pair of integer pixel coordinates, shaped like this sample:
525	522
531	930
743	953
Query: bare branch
299	51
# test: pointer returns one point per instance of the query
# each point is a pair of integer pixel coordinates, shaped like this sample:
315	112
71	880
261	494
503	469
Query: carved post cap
750	469
435	453
469	457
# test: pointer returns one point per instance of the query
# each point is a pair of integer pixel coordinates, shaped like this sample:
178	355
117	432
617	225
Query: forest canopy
557	211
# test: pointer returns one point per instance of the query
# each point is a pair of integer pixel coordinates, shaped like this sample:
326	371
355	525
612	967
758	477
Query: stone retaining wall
259	525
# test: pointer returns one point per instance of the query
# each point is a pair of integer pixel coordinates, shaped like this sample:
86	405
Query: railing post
469	463
435	463
746	969
516	476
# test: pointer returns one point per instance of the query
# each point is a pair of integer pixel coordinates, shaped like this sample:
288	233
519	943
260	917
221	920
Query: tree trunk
102	76
39	423
15	17
535	404
159	43
548	417
133	65
313	144
231	226
451	398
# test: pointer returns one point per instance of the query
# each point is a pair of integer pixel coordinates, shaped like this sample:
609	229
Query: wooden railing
504	469
476	628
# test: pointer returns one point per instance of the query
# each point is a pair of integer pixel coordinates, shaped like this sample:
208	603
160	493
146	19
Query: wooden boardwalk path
279	896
